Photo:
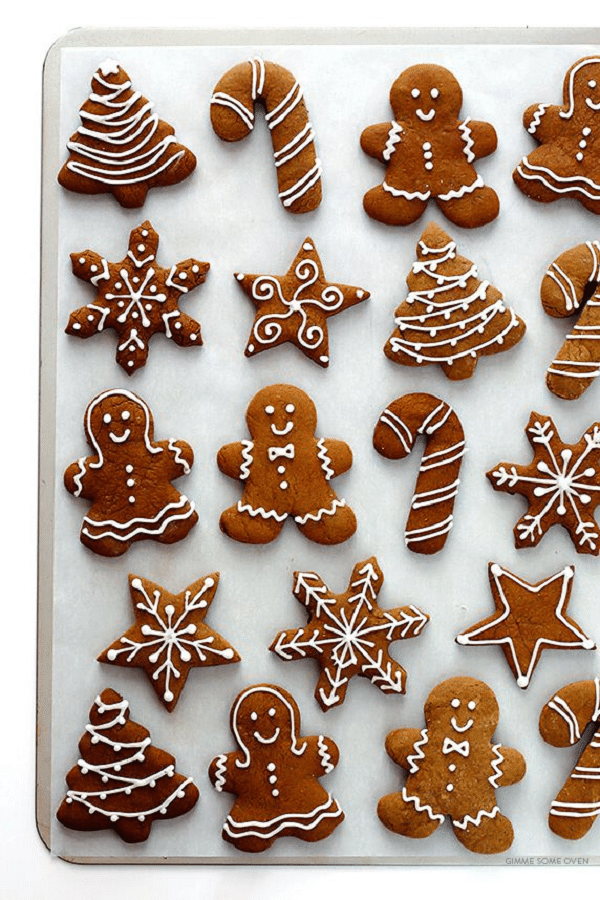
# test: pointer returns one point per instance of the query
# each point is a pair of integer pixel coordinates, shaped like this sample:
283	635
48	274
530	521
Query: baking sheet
228	213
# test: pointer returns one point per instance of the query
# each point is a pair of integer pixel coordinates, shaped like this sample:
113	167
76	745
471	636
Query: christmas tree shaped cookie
450	315
121	781
121	146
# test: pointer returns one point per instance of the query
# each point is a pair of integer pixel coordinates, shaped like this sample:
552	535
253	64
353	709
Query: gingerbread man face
582	87
461	709
426	93
263	717
116	418
289	413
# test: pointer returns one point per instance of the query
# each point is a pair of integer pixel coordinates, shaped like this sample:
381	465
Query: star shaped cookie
528	618
349	634
137	298
561	485
295	307
169	636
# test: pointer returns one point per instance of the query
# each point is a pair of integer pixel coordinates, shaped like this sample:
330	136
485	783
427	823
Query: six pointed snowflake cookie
528	618
561	484
137	298
295	307
349	634
169	636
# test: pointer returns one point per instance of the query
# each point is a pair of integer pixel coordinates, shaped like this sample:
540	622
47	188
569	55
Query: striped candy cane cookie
572	284
431	510
232	115
562	723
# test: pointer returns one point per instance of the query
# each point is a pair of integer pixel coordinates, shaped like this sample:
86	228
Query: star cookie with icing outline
170	636
295	307
561	485
528	619
137	298
349	634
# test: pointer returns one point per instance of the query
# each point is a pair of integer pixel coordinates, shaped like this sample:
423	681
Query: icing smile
266	740
116	439
425	117
461	728
281	431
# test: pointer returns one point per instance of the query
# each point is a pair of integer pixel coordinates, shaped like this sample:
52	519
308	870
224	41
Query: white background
26	868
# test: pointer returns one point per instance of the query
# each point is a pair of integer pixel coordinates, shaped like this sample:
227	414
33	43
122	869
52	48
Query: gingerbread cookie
561	485
128	477
137	298
121	146
286	471
349	634
571	285
450	316
567	161
295	307
528	618
453	769
563	722
292	135
170	636
274	774
121	781
429	153
431	509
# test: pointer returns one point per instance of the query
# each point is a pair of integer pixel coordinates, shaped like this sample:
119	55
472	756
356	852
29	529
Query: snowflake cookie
170	636
121	781
349	634
137	298
561	485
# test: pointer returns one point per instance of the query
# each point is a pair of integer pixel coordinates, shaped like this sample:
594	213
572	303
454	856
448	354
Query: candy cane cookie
431	510
572	284
232	113
563	721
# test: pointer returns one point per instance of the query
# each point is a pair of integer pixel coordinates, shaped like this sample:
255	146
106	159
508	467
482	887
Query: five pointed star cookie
349	634
561	484
529	618
295	307
169	636
137	298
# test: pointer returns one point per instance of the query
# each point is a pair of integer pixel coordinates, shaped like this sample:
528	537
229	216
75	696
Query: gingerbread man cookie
429	153
286	471
128	477
137	298
453	769
274	774
567	161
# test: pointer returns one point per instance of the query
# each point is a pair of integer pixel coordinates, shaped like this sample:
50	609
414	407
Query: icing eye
592	84
254	716
125	415
434	93
269	410
106	418
471	704
455	703
415	93
272	711
290	408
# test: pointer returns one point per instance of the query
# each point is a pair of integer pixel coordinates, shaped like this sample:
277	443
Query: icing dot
82	259
269	410
275	792
131	499
240	276
290	408
141	248
93	268
106	418
272	711
587	130
168	695
429	165
522	681
452	767
130	482
280	470
471	704
193	337
415	93
272	779
271	767
228	653
307	246
125	415
450	787
254	716
434	93
455	703
579	157
283	485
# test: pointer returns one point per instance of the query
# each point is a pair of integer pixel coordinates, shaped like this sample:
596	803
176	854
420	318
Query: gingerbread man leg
388	207
406	815
488	832
249	525
471	210
328	526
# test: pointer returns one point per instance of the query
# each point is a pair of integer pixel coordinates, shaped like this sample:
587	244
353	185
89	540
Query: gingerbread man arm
321	755
509	763
401	743
541	120
335	456
374	140
234	459
222	772
79	480
482	137
178	458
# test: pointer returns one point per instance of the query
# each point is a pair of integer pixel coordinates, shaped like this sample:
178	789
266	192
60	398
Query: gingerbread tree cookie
137	298
567	161
561	485
128	477
349	634
453	769
295	307
528	618
429	153
450	316
275	774
170	636
121	146
286	471
121	781
563	723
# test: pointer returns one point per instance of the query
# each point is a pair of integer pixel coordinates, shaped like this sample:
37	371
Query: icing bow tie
450	746
276	452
